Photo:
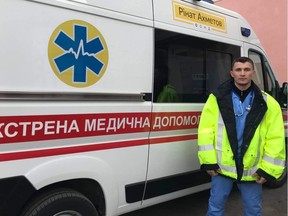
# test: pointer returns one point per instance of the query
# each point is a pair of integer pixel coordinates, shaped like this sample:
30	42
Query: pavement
274	204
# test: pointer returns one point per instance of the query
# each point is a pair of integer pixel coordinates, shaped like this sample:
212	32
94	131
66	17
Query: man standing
241	139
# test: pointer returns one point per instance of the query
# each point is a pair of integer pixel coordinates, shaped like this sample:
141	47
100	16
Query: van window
187	68
263	77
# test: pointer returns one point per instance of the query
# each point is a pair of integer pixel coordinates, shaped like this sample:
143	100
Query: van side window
263	73
187	68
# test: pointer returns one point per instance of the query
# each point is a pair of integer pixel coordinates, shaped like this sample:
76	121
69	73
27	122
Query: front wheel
61	202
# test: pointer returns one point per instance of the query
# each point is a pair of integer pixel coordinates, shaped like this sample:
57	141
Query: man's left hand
259	179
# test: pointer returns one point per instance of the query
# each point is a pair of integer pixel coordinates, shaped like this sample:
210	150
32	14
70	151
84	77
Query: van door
265	78
186	69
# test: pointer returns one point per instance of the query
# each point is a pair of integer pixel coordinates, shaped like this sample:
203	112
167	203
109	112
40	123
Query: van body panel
36	38
81	96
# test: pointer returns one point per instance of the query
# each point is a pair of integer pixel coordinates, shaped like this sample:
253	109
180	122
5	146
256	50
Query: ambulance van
100	100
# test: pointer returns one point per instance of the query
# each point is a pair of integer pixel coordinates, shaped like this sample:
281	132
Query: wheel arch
90	176
88	187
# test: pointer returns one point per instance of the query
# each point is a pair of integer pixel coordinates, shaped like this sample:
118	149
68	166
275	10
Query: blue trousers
221	187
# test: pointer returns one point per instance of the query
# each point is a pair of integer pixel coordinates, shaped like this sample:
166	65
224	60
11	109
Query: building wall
268	18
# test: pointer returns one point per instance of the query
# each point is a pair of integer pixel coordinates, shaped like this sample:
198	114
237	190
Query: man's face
242	74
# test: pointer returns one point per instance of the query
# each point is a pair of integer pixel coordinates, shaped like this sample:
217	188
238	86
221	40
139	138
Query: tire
61	202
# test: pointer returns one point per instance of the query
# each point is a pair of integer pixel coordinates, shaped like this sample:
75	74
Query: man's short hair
243	59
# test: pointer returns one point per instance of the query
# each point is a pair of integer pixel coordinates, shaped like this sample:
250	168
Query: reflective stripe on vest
206	147
219	141
250	172
274	160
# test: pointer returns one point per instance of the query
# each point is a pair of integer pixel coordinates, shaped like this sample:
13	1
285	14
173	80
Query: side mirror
284	95
285	88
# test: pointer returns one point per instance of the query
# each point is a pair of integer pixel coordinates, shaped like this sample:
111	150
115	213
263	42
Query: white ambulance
84	126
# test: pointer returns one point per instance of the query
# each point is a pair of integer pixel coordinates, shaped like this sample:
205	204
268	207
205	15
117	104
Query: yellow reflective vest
263	149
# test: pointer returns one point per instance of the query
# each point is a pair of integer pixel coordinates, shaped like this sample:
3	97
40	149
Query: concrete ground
274	204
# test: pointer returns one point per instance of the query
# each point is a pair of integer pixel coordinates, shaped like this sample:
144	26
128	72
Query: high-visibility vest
266	150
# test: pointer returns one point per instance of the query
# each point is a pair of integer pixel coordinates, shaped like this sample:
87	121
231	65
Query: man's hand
213	172
259	179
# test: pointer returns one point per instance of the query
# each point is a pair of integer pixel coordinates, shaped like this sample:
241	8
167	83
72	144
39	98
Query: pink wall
268	18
